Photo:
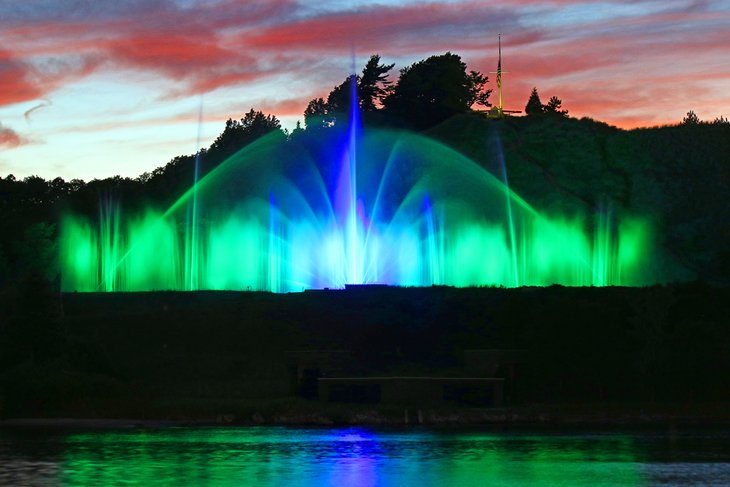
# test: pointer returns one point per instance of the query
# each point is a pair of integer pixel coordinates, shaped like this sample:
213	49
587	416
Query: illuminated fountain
344	205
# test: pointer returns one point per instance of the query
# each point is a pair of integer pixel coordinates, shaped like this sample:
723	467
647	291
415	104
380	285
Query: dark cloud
42	104
42	11
146	13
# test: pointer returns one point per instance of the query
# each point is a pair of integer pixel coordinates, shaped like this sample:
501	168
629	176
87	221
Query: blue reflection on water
360	457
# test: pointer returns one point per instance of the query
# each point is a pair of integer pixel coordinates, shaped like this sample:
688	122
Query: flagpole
499	72
500	111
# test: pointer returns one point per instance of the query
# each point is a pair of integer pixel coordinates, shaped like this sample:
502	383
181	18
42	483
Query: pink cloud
10	138
182	44
285	108
14	80
231	43
399	30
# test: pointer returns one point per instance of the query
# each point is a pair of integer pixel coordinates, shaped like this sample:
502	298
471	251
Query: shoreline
560	417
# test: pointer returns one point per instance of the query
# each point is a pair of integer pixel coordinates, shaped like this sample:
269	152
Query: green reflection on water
345	457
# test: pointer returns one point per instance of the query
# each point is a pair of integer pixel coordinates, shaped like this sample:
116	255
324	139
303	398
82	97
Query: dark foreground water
361	457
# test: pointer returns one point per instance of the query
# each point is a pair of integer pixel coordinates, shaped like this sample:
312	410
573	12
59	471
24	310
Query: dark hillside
677	177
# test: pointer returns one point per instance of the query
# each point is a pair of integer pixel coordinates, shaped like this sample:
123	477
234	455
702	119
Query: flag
499	65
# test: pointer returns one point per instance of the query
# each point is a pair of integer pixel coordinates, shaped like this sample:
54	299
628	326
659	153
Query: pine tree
554	106
691	118
534	105
374	84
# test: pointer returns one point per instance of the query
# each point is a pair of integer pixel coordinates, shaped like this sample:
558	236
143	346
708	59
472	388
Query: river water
343	457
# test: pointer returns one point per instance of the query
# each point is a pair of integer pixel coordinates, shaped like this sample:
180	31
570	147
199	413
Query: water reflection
359	457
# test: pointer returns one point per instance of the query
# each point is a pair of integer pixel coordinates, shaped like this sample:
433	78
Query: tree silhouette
167	183
374	84
338	101
238	134
553	107
317	114
298	131
372	87
691	118
430	91
534	105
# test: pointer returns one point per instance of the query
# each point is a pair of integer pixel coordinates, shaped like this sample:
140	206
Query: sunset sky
96	88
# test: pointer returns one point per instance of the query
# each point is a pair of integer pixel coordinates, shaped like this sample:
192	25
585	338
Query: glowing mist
377	207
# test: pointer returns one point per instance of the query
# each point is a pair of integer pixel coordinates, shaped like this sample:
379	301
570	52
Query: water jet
348	205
